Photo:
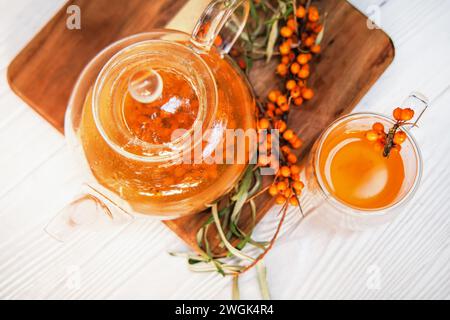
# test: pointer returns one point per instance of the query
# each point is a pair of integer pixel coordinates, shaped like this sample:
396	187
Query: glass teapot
142	112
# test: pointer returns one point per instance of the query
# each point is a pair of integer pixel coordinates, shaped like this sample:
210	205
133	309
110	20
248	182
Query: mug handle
419	103
214	18
91	211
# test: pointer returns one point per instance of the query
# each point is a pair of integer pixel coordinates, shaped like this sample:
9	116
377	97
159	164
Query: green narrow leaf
241	196
192	258
206	242
219	268
262	280
273	36
321	33
253	211
243	243
235	230
253	13
235	295
193	261
228	245
258	244
222	212
257	185
249	63
199	237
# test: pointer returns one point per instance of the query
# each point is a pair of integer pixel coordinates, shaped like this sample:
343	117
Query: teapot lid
150	98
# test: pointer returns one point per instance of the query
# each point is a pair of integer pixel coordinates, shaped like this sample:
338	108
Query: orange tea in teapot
132	118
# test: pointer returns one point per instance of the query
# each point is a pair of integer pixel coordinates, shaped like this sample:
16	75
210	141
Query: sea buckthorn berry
234	52
292	158
295	176
270	106
378	146
280	125
311	25
288	193
397	114
397	148
179	172
285	149
263	123
295	169
263	160
212	173
278	112
298	185
399	137
407	114
301	12
372	135
288	135
280	200
218	41
285	59
298	101
282	69
307	93
295	93
303	73
286	32
295	68
318	28
273	95
281	100
285	171
302	58
292	24
270	113
281	186
378	127
293	201
315	48
313	14
285	48
291	84
273	190
309	42
297	143
241	63
285	107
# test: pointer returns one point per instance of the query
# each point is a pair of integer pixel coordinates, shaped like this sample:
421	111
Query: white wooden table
407	259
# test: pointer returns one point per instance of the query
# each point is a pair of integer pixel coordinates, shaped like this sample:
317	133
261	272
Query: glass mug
349	182
128	103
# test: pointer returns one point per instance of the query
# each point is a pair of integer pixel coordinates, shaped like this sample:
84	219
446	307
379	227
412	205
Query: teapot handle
90	211
214	18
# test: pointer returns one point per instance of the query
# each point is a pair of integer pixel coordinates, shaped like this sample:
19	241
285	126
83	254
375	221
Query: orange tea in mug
352	180
355	171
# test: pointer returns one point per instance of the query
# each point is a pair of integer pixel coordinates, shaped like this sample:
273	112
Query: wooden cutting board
45	71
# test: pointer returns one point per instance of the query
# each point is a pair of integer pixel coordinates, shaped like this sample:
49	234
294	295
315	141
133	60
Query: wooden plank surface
410	256
56	56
